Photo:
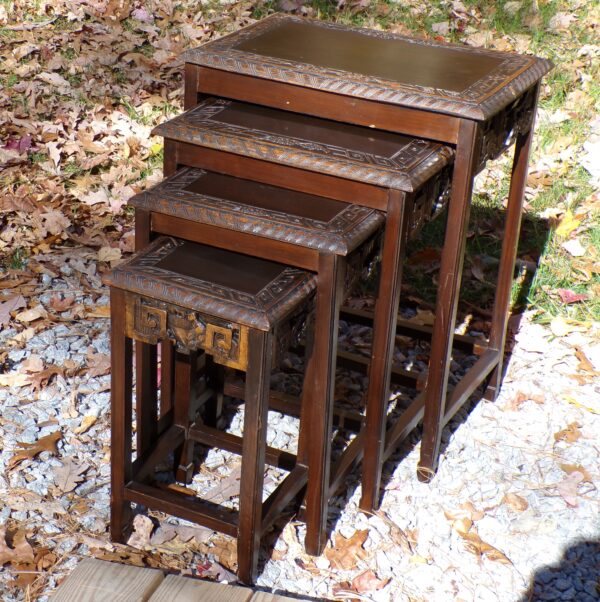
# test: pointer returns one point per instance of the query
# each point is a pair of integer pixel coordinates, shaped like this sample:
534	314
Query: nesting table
475	100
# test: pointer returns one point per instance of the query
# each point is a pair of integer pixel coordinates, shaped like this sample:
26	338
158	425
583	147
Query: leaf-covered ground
82	83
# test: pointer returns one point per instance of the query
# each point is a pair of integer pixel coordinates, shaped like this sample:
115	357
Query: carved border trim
412	165
346	231
480	101
141	275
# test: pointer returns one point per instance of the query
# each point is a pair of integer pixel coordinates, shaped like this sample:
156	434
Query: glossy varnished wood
229	306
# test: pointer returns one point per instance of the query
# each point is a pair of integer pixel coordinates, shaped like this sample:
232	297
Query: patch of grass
10	80
17	260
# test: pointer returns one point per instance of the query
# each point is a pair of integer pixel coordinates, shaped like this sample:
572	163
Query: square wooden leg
384	334
121	418
320	386
258	377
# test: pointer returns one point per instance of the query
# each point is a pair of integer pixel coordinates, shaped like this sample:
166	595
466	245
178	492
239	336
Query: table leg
254	444
514	210
145	361
320	385
447	297
384	334
121	417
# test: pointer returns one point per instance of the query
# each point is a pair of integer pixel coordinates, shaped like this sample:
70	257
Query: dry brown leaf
31	450
101	311
571	468
30	315
15	379
584	363
368	582
142	530
86	424
41	379
69	475
33	363
21	552
12	304
98	364
567	488
60	304
569	434
346	553
516	502
406	541
226	488
479	547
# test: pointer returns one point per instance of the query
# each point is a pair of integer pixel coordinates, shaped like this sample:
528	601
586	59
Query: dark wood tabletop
321	145
375	65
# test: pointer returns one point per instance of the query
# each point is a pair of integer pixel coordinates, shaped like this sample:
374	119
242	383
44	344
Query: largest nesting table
476	100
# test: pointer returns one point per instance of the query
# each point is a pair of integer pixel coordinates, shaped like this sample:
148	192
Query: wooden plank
100	581
268	597
184	589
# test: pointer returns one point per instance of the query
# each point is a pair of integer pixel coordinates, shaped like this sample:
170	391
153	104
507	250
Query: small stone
562	584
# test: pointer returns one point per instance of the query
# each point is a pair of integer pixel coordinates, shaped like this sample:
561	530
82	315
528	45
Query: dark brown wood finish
510	242
284	225
320	378
229	306
451	79
447	300
477	100
253	453
145	359
121	418
384	334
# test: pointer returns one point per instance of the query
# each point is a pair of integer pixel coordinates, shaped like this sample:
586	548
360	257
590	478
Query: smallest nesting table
238	310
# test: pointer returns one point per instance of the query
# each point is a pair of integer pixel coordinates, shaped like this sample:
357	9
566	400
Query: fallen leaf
100	311
15	379
86	424
582	406
20	552
41	379
98	364
109	254
142	529
568	296
368	582
12	304
34	363
574	247
426	255
60	304
346	553
30	315
226	488
479	547
585	365
31	450
569	434
560	327
521	396
567	224
69	475
516	502
53	79
567	488
571	468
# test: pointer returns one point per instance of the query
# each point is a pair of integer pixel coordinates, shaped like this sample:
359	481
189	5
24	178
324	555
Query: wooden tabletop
328	147
375	65
235	287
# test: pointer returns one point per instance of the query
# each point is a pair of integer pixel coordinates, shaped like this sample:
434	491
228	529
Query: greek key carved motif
152	321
